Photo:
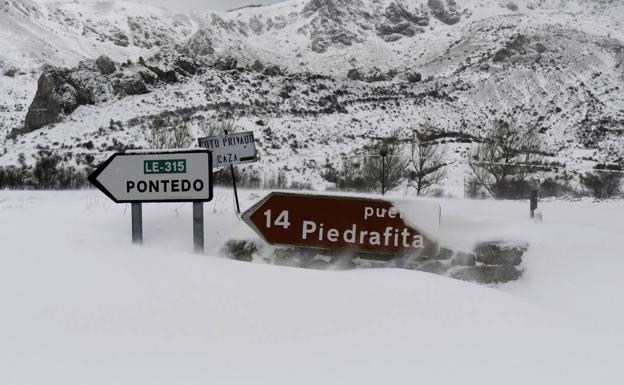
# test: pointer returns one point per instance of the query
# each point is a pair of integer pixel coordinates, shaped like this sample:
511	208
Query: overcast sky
216	5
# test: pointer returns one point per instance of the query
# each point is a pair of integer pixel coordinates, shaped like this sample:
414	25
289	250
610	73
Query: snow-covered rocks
492	262
55	95
105	64
60	91
445	11
500	253
488	274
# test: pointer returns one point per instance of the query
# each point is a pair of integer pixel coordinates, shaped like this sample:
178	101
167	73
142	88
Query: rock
375	75
511	6
446	13
404	28
444	254
274	70
105	65
540	48
354	74
131	83
120	38
518	45
413	77
318	264
148	76
392	37
397	13
434	267
257	66
168	75
225	63
464	259
499	253
55	95
200	44
10	72
287	257
488	274
186	66
240	250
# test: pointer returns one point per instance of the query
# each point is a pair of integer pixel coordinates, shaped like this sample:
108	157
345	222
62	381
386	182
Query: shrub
603	185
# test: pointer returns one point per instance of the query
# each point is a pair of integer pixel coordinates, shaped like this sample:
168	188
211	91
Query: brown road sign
346	223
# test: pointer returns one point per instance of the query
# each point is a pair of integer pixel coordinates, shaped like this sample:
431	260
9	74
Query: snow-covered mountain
379	64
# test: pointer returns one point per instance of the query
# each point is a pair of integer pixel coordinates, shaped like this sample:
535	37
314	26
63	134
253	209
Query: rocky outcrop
335	22
105	64
227	63
499	253
519	46
200	44
400	21
445	11
492	262
56	95
60	91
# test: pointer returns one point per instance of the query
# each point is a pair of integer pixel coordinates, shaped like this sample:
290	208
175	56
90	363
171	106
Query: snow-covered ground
80	305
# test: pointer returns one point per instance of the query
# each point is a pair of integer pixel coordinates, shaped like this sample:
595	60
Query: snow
80	304
578	76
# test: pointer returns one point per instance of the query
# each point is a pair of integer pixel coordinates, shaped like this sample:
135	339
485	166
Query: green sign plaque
169	166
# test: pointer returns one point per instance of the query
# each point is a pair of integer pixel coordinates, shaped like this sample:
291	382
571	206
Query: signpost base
137	223
198	227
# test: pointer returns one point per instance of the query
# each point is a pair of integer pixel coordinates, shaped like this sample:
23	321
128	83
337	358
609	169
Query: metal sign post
198	227
229	150
235	190
158	176
534	197
137	223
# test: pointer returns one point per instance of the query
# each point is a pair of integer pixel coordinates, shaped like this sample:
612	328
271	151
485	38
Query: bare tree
385	169
165	134
603	184
218	126
506	158
427	165
157	135
180	136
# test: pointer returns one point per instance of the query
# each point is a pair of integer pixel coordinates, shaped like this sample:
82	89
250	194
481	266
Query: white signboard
231	149
178	176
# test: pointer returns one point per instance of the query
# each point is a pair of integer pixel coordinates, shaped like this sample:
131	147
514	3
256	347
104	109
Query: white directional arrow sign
177	176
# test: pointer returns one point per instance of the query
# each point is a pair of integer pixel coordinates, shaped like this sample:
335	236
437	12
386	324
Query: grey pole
533	203
235	191
198	227
137	223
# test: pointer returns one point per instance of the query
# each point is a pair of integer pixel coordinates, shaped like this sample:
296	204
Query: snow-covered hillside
350	72
81	305
63	33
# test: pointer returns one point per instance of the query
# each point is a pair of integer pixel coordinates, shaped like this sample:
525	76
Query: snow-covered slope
63	33
551	64
329	36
